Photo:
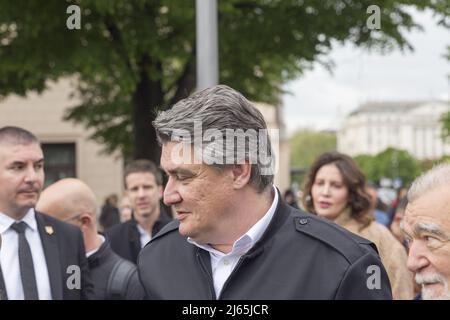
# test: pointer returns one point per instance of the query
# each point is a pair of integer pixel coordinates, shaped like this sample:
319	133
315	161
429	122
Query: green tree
394	163
306	145
133	58
368	165
445	119
391	163
427	164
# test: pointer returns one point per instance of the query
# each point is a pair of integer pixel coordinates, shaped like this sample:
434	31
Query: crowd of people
234	236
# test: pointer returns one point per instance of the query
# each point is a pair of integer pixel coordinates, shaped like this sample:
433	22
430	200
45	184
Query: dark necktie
26	263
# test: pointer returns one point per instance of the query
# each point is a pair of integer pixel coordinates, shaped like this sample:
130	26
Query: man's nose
417	259
141	192
171	195
30	174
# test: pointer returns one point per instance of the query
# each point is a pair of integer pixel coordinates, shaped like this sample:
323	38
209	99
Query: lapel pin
49	230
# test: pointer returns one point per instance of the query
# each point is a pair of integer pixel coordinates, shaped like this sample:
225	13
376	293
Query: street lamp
207	44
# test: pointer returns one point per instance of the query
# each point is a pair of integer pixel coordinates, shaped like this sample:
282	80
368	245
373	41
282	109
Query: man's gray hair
222	110
438	176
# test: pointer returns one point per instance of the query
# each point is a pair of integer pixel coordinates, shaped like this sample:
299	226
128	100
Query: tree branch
185	83
118	43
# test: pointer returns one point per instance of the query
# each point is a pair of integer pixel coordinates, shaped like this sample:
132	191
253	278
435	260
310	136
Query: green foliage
307	145
445	119
390	163
368	166
426	165
133	58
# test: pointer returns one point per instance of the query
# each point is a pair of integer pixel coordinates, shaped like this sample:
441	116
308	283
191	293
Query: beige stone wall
42	115
273	119
283	178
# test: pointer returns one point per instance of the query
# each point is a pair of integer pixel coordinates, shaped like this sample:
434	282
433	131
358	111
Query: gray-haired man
235	238
426	225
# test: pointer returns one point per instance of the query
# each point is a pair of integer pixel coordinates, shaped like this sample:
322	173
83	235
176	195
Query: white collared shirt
144	236
222	264
102	239
9	257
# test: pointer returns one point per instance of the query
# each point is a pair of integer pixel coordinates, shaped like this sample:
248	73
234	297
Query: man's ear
86	221
241	174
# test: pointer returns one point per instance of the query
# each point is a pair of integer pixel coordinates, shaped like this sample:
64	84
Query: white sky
320	100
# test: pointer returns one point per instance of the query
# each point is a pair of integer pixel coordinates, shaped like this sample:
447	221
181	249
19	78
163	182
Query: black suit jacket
125	239
63	248
299	256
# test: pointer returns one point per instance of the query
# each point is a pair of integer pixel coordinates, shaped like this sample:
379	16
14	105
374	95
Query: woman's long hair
358	198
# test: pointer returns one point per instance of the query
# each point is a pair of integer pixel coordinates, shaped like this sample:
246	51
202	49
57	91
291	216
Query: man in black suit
143	183
235	237
42	258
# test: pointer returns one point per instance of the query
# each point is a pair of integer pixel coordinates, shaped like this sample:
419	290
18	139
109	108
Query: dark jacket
300	256
109	216
125	239
102	265
63	248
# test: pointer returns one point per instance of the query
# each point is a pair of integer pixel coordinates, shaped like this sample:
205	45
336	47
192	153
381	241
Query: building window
59	161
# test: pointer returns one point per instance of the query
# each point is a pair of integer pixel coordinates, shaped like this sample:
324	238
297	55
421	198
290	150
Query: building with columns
411	126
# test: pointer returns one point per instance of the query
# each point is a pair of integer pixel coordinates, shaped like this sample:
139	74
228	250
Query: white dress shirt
102	239
144	236
9	257
222	264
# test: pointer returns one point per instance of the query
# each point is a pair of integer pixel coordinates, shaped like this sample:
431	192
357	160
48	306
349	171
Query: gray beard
429	294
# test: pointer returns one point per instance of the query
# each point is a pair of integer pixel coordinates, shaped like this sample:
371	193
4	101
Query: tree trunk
146	99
